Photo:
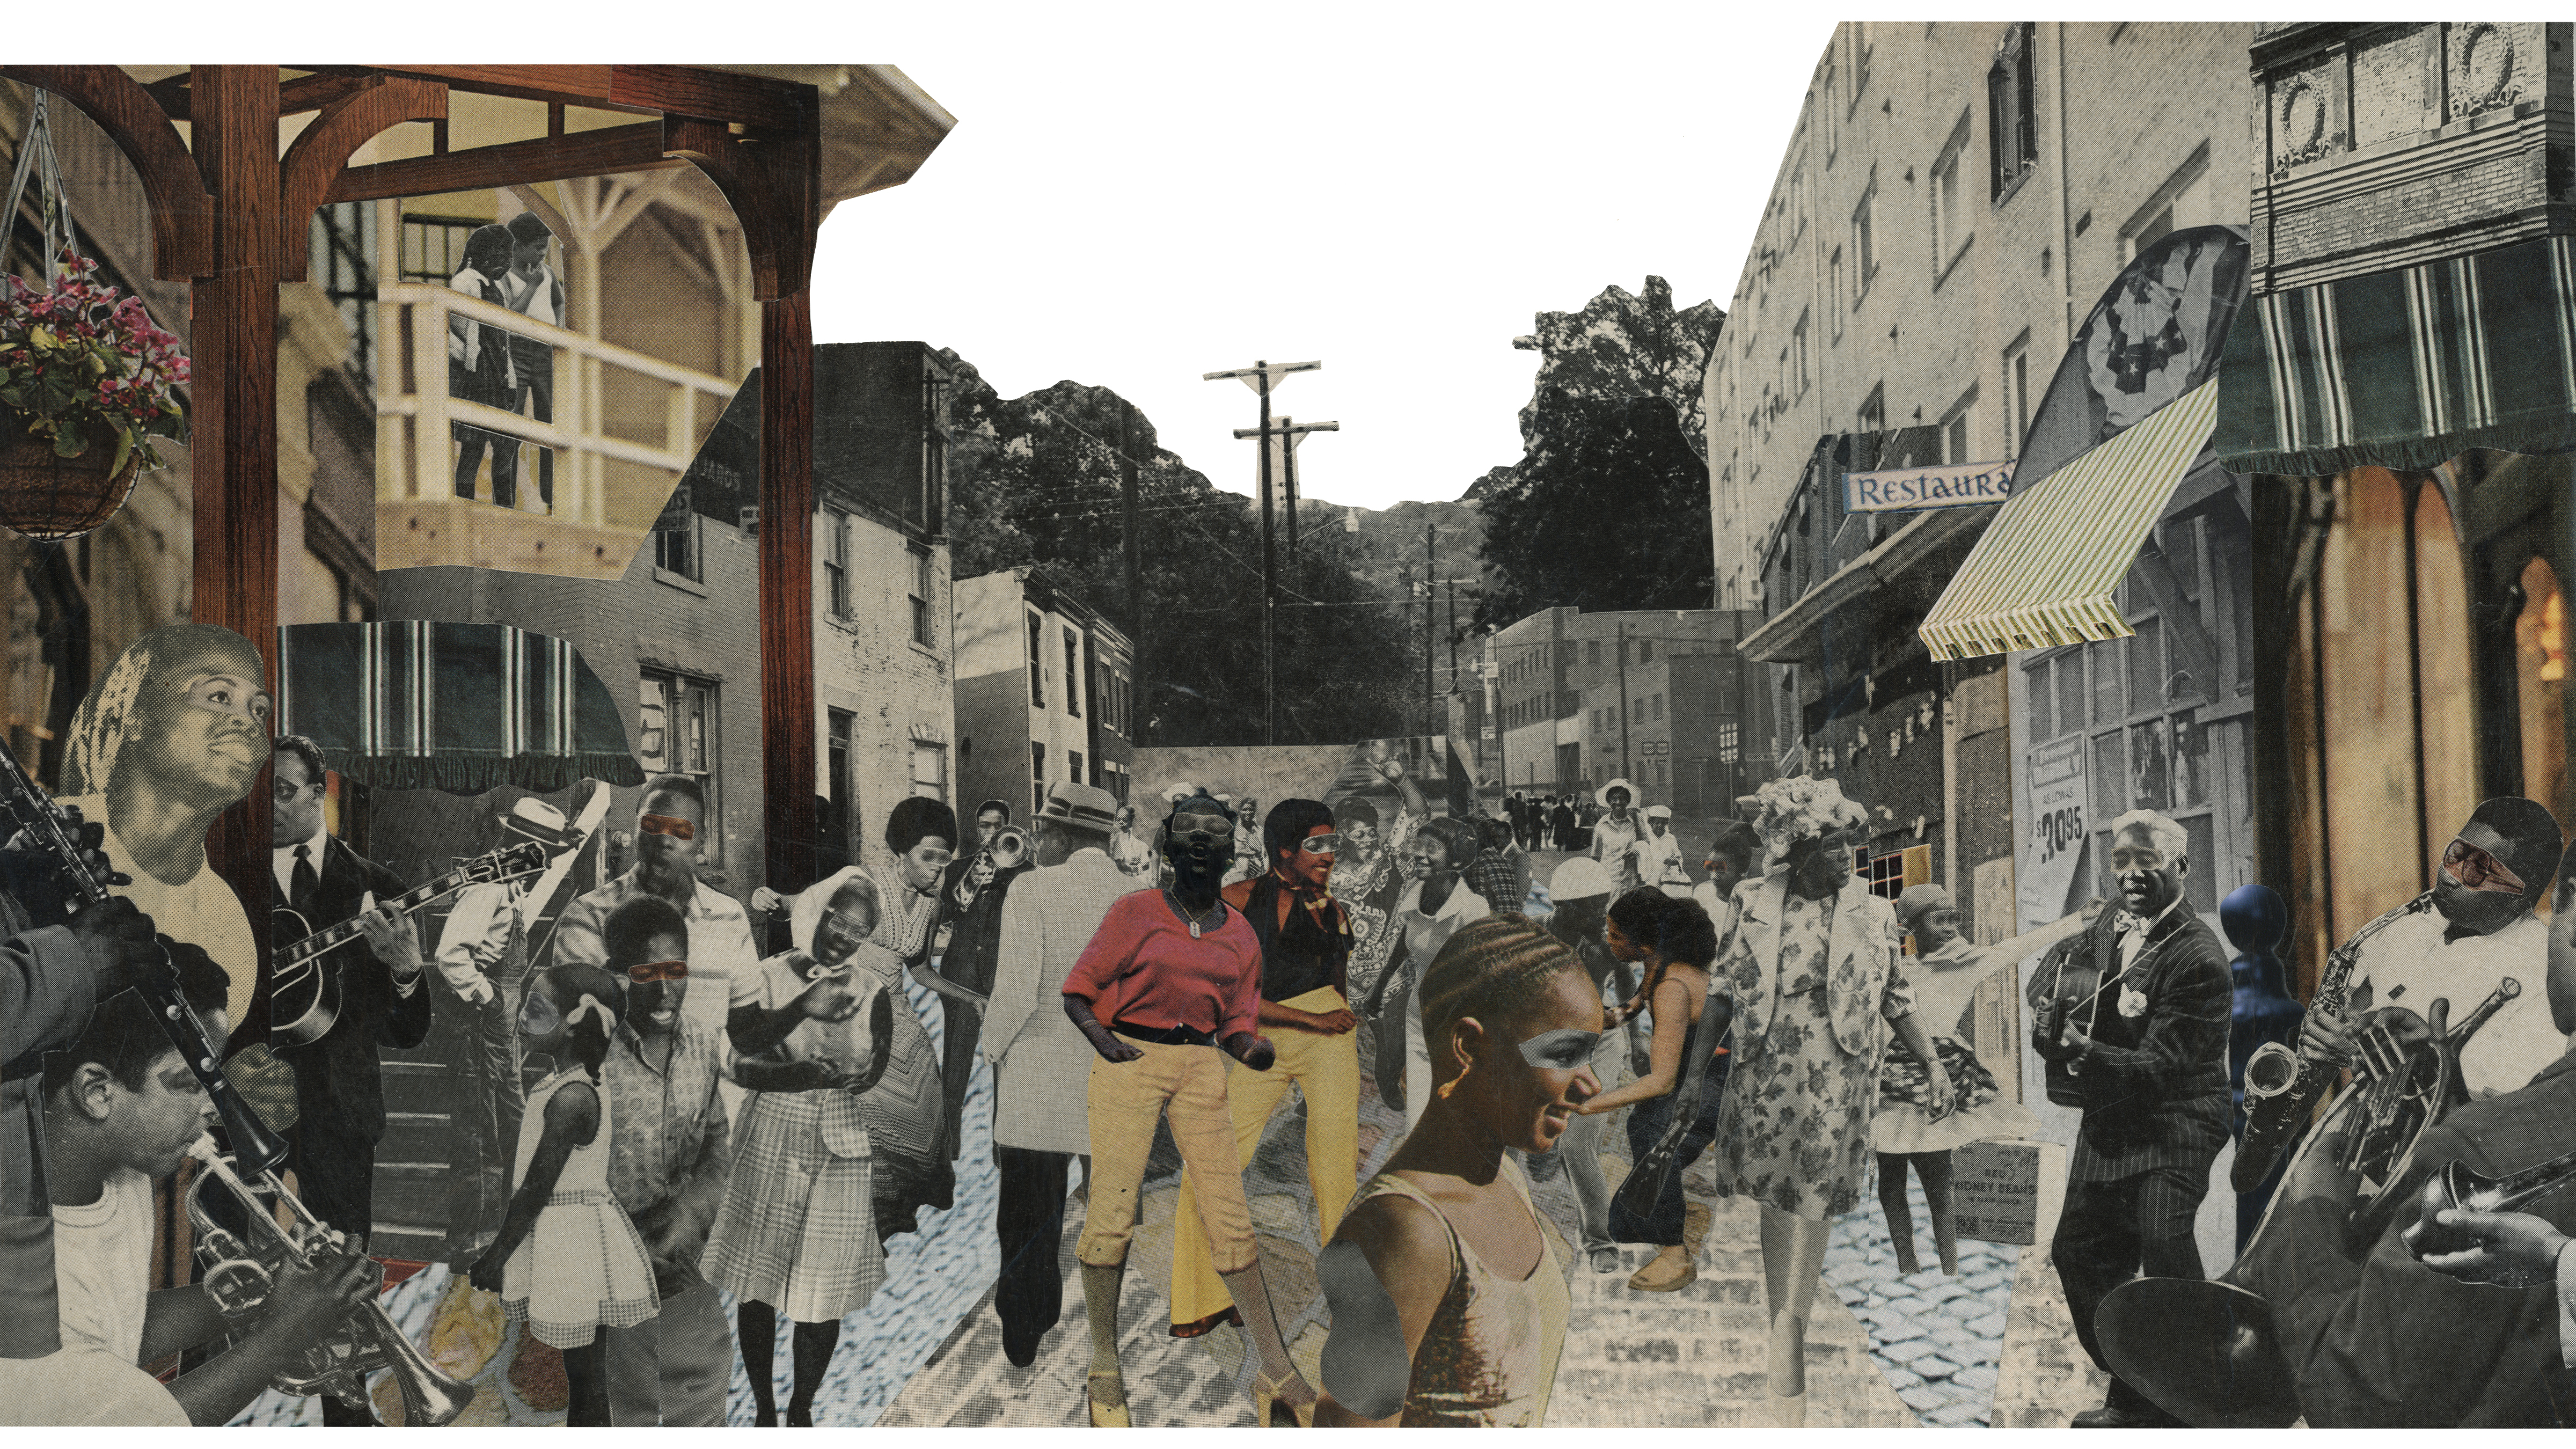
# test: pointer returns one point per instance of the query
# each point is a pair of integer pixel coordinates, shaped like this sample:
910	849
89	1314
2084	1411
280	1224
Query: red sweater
1143	967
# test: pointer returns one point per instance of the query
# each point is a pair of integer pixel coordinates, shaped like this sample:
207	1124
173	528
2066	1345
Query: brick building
1579	699
1045	691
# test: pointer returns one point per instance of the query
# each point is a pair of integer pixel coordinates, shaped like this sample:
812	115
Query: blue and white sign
1948	485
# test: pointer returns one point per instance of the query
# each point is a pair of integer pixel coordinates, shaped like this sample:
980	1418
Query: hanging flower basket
86	383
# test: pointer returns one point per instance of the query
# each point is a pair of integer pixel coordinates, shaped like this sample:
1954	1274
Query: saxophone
2281	1087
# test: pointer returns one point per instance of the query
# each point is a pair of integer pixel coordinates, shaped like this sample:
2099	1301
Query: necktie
303	882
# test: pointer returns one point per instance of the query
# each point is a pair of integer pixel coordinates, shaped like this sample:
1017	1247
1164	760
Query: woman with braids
1431	910
1448	1297
1676	942
1944	973
1808	977
1170	980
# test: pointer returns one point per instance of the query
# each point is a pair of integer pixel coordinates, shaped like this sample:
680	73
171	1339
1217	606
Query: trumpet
238	1275
1009	851
2281	1087
2457	1186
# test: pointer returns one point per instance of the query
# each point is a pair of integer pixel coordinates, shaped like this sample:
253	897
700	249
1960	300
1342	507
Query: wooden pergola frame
227	216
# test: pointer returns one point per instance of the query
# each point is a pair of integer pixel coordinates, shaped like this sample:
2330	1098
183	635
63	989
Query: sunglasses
655	971
2478	870
1320	844
1214	826
675	826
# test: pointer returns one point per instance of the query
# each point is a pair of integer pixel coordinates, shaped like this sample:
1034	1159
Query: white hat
1601	797
1659	812
1578	878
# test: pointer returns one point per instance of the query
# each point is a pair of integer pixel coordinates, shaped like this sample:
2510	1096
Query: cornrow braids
1493	970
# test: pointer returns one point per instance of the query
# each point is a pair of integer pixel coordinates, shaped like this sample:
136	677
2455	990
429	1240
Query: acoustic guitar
304	994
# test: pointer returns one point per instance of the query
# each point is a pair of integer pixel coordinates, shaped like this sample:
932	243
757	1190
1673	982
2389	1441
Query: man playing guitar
339	1081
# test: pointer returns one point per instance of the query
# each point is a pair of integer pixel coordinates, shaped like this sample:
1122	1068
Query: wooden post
787	586
234	446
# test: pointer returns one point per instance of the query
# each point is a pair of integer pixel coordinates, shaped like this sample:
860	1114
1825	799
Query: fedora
1084	807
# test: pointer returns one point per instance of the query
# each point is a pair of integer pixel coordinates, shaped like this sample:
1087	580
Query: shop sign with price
2058	830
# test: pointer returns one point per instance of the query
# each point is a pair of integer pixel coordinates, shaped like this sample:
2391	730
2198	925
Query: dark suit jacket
339	1085
974	947
2155	1084
2376	1339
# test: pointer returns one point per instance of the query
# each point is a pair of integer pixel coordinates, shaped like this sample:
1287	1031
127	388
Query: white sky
1392	190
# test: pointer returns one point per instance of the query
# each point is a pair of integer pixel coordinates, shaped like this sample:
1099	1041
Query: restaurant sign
1948	485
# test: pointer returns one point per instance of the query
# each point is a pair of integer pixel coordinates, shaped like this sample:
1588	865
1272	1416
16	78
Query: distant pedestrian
1614	832
1560	820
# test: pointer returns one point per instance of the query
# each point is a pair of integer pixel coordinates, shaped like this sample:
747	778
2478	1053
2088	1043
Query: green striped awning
2046	571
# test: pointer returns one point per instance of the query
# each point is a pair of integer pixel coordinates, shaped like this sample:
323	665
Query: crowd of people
720	1121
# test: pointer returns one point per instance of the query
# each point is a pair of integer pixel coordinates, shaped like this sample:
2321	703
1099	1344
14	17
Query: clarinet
42	823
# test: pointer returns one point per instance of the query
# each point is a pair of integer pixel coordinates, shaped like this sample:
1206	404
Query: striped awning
417	705
2046	571
2406	368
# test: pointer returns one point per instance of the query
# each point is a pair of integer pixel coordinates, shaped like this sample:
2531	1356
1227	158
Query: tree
1034	480
1608	506
1608	511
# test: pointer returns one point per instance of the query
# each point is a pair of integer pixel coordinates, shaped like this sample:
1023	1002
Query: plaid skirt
580	1269
797	1229
1979	1112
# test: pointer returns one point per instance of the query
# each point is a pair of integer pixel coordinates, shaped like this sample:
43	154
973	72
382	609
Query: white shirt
2409	965
2134	939
103	1267
202	909
1659	858
281	861
477	932
1424	935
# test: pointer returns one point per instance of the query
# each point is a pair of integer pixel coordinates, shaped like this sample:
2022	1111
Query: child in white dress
568	1261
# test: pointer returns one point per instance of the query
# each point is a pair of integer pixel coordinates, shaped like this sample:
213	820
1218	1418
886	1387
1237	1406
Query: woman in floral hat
1810	973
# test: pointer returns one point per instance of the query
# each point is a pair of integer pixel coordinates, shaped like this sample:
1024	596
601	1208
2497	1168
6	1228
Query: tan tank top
1489	1357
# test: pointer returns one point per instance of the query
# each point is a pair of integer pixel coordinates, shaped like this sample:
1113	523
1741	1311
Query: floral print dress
1794	1130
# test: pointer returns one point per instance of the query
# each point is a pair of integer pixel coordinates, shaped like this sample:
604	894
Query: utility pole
1623	704
1430	587
1135	567
1290	433
1261	377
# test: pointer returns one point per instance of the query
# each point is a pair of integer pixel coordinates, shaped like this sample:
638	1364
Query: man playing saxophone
121	1111
2481	930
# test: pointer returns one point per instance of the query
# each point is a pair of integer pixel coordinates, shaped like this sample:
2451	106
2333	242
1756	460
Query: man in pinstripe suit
2148	1058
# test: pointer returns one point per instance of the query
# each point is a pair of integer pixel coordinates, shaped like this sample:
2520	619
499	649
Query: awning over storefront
2046	570
458	707
1901	572
2406	368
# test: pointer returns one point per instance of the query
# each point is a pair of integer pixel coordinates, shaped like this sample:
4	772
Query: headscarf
101	725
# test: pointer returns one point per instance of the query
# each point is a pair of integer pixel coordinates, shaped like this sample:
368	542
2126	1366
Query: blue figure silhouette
2264	1011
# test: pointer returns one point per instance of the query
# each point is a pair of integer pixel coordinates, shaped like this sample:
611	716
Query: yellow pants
1327	1069
1127	1098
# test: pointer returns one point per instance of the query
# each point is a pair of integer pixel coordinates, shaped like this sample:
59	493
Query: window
930	772
1037	776
1951	224
836	561
841	790
1037	663
343	265
1956	432
1657	705
1727	743
925	587
676	552
1860	53
1834	290
1872	417
1798	352
1645	651
676	735
1592	653
1833	114
1887	875
2182	202
1798	205
2016	394
433	247
1073	766
2012	144
1072	673
1864	239
2540	676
